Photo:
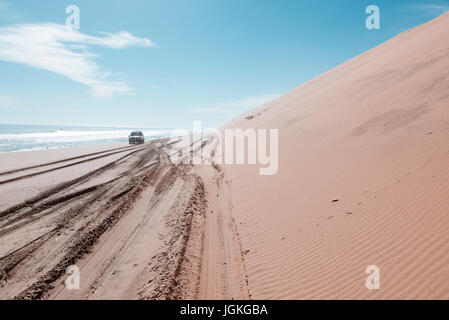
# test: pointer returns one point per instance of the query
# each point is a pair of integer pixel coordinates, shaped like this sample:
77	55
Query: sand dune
373	134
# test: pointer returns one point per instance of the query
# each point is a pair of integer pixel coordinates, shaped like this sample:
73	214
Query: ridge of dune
374	134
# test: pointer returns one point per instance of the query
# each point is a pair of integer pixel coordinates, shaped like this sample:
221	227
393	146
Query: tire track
88	203
26	176
50	192
63	160
97	226
85	239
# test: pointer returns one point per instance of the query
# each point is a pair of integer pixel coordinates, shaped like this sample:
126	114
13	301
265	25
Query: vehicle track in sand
59	180
223	272
70	217
29	175
104	152
137	227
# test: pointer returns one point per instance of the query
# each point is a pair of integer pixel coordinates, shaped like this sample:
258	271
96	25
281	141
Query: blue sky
165	63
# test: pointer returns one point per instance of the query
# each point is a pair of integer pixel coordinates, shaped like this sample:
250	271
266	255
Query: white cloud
431	10
238	105
60	49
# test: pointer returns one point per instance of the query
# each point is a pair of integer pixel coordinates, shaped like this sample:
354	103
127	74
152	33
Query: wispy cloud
428	9
60	49
238	105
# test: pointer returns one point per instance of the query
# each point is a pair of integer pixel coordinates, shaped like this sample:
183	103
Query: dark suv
136	137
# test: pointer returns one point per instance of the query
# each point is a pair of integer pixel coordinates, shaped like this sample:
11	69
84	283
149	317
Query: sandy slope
374	134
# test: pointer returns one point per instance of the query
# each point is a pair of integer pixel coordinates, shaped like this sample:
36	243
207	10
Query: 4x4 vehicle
136	137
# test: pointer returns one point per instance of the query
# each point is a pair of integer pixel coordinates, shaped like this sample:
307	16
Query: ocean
38	137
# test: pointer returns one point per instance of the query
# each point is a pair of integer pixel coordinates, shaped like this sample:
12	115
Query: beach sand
362	180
